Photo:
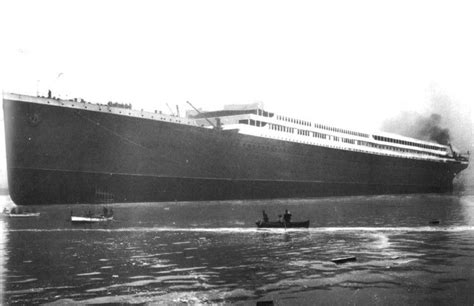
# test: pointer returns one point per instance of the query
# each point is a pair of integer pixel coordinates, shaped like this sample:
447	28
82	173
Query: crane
199	112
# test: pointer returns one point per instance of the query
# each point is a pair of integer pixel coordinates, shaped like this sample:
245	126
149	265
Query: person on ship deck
287	216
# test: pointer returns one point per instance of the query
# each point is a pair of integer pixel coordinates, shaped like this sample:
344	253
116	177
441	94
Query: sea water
409	249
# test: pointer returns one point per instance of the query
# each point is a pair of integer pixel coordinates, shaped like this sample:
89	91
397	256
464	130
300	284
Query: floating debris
343	259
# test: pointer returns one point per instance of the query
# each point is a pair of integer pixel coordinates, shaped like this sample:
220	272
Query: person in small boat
265	216
287	216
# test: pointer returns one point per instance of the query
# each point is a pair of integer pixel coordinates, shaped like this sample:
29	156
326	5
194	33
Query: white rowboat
23	215
94	219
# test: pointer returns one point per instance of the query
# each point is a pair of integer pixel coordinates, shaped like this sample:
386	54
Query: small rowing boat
93	219
89	217
282	224
23	215
18	212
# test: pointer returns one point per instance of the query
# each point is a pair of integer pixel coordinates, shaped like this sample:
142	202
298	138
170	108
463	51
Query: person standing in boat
287	216
265	216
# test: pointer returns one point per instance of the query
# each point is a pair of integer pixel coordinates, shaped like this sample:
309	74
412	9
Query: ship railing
462	157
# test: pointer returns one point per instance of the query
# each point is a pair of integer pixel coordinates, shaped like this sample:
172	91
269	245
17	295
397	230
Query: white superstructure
257	122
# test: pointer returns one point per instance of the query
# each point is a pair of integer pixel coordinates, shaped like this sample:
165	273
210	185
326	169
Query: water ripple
256	230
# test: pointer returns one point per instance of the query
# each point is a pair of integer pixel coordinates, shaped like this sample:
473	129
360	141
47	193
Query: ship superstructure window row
295	121
333	138
263	113
408	143
281	128
396	149
320	135
303	132
363	143
322	126
338	130
253	122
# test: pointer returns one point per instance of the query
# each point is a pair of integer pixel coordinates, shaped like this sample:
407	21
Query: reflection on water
3	258
213	253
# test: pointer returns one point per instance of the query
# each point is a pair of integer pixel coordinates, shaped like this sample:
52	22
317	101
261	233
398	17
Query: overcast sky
353	63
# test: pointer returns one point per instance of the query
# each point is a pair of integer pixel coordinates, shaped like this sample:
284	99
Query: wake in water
226	230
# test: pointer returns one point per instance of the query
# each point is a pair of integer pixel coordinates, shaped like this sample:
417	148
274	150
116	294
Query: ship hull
61	155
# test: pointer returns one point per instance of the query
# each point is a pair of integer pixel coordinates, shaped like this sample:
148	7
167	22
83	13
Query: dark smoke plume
429	128
444	121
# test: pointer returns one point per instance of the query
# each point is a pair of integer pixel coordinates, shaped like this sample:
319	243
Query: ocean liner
69	151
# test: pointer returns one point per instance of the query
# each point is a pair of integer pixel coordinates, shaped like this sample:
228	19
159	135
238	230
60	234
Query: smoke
434	131
443	121
429	127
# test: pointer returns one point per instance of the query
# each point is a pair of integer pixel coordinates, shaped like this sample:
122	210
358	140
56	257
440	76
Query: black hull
38	187
60	155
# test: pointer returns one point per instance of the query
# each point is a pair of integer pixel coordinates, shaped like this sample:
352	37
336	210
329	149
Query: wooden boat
89	217
20	213
23	215
280	224
92	219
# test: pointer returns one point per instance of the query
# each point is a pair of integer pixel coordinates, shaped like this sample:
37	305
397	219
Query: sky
350	63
